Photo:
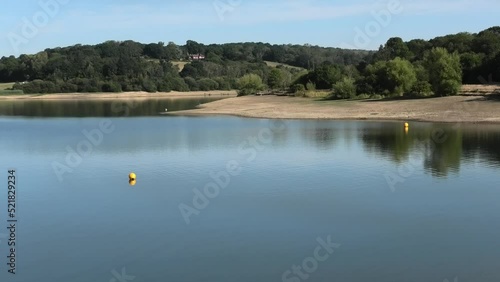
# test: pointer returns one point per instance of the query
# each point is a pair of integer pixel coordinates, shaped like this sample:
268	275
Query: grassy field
180	64
479	89
4	86
275	64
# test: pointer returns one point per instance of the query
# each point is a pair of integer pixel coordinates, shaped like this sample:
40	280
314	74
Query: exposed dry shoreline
124	95
470	109
475	108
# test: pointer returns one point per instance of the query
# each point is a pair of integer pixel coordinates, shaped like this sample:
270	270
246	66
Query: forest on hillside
417	67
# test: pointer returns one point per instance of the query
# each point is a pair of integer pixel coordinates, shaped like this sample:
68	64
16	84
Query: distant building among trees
196	57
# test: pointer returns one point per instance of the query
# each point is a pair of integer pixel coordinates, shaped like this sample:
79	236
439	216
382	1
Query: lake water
99	108
342	200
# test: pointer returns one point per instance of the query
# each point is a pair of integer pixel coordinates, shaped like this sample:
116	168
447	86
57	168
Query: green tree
156	51
395	47
298	89
207	84
326	75
401	76
310	86
375	80
344	88
460	42
250	84
418	47
192	83
420	71
275	79
173	52
472	65
194	47
445	73
177	84
421	89
487	42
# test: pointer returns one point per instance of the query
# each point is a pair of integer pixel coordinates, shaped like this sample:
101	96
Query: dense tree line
416	68
479	54
131	66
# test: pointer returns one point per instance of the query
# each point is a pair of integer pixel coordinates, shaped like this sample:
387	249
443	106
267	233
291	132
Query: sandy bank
446	109
124	95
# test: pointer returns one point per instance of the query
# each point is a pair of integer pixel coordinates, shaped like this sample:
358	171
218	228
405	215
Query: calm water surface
402	206
99	108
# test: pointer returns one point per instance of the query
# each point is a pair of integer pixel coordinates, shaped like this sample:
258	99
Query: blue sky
29	26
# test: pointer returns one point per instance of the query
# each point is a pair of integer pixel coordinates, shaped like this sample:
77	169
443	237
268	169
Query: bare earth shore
472	108
475	109
124	95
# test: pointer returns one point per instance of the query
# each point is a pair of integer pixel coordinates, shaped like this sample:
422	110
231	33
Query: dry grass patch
180	64
479	89
4	86
317	94
275	64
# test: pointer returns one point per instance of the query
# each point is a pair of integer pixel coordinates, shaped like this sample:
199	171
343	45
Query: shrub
310	86
421	89
192	83
250	84
66	87
377	97
207	84
149	86
345	88
178	84
86	85
224	83
298	88
449	87
362	97
37	86
111	87
164	86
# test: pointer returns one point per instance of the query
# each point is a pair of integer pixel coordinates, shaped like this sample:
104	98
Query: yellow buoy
132	182
132	176
407	125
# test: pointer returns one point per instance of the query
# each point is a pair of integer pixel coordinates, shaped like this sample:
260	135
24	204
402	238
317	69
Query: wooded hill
415	67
